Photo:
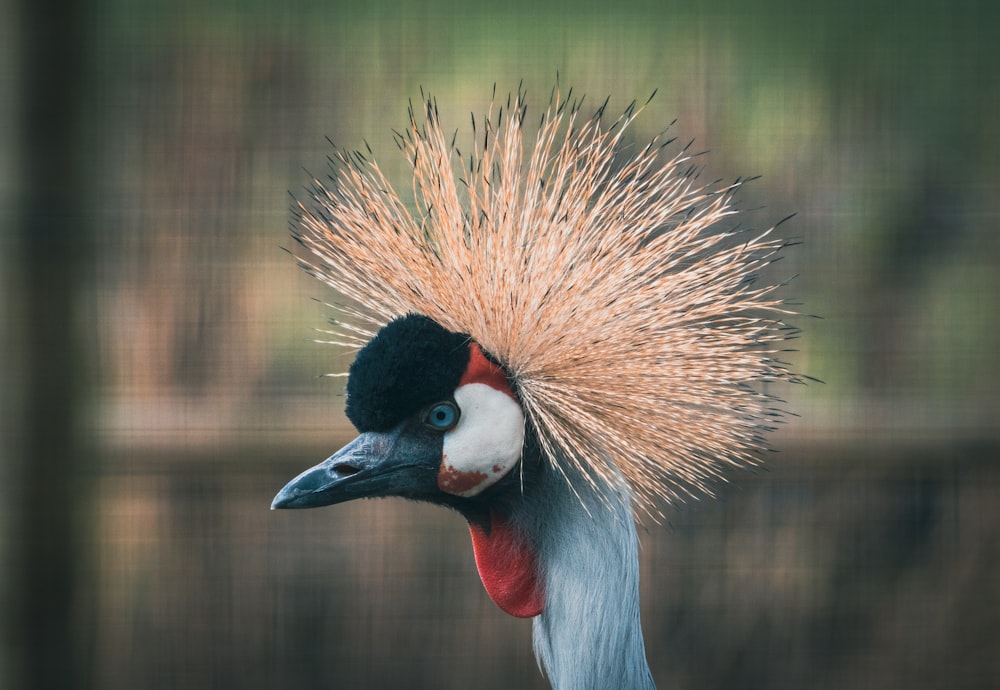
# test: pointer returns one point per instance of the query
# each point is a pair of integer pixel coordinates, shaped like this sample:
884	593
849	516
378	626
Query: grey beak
345	475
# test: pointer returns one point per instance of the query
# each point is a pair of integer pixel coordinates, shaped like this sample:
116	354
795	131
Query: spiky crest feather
599	277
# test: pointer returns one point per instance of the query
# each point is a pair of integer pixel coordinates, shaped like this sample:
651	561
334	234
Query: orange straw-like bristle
630	321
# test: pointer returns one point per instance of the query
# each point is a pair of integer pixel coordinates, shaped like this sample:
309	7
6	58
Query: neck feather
589	636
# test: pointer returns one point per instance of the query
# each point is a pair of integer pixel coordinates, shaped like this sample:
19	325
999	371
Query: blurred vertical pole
54	237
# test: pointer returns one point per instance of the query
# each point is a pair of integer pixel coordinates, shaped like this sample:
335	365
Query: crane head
438	421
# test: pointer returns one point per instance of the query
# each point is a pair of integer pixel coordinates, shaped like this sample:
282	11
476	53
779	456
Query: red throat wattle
506	561
508	567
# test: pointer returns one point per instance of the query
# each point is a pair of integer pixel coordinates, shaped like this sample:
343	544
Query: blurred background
160	384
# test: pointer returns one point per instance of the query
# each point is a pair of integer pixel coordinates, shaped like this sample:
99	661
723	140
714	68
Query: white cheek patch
485	445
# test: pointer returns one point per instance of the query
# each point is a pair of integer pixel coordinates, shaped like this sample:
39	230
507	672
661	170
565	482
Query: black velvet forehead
409	364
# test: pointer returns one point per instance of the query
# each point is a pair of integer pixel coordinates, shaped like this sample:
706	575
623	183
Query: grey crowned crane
558	335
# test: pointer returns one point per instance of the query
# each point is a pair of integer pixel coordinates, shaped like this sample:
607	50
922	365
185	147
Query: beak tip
339	478
295	495
282	499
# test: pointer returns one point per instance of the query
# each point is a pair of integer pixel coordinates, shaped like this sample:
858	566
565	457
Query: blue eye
443	416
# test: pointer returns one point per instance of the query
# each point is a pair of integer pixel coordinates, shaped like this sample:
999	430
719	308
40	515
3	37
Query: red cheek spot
497	469
482	370
454	481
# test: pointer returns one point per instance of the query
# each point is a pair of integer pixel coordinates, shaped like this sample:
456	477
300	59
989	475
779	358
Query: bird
558	333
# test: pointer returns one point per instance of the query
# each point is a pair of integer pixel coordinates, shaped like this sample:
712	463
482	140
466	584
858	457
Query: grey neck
589	636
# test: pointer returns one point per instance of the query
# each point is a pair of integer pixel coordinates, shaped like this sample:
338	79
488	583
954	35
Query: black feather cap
411	363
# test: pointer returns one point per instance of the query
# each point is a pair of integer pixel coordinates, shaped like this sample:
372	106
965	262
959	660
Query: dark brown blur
161	382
